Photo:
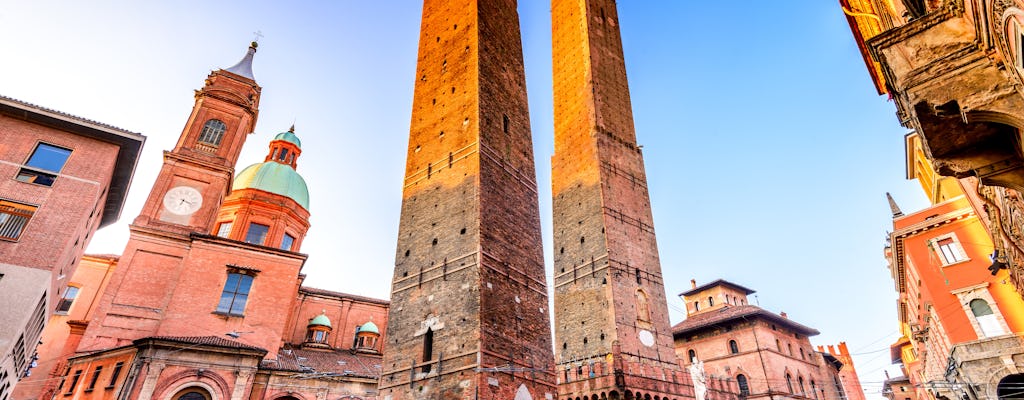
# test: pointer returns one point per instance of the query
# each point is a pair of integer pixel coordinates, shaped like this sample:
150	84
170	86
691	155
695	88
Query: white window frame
980	291
950	254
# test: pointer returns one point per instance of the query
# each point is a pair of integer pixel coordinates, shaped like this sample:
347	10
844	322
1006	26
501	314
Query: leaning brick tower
469	305
612	332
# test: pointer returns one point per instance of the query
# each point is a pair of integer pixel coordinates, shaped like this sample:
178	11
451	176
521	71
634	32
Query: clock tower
197	173
168	255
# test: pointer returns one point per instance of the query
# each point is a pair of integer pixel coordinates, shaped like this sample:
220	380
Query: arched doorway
1011	387
192	393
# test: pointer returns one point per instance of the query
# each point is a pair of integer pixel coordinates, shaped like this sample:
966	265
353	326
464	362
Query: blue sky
768	152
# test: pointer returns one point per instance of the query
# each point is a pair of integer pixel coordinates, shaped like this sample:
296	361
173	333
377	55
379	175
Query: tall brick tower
612	333
469	310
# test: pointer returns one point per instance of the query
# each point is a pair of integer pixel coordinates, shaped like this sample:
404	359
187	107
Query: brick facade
469	315
49	212
610	306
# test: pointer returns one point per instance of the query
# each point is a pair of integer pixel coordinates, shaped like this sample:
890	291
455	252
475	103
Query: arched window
711	301
814	389
778	345
802	354
192	393
643	309
733	347
801	381
213	132
696	306
789	382
987	320
741	381
693	355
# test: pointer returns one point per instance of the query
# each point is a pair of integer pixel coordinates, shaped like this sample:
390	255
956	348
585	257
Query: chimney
693	283
783	314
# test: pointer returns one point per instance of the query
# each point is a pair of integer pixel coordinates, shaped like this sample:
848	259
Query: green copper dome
289	137
369	327
275	178
321	320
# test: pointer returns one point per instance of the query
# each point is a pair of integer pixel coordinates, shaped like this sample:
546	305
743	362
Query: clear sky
768	152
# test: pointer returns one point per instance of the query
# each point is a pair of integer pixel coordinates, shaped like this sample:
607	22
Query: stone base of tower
635	380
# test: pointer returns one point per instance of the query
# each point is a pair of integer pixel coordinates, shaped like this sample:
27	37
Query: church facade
206	301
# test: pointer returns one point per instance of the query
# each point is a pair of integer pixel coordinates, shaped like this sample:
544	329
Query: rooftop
714	283
731	313
335	362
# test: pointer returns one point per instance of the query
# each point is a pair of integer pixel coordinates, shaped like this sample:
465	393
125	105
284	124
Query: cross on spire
257	35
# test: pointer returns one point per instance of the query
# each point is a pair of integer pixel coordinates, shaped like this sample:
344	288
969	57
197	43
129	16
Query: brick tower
468	315
612	332
184	201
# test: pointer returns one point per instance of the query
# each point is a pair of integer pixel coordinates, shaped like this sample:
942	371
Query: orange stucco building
948	296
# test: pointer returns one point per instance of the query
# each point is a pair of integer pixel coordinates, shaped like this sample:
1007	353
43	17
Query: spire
892	206
244	66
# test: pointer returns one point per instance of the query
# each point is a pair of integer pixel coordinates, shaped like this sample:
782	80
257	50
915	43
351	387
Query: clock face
183	200
646	337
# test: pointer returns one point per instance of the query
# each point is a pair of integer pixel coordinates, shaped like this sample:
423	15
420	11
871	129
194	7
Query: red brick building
206	301
64	177
767	355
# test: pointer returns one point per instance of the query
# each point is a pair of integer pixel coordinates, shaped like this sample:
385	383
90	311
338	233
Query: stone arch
647	396
212	382
613	395
276	395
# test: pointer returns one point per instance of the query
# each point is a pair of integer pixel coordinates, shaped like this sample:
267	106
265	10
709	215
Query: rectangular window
235	294
286	243
74	382
114	375
13	218
66	300
43	165
95	377
949	250
257	233
224	230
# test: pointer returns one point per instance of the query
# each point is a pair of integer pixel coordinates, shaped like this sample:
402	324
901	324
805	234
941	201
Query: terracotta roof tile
323	292
730	313
332	362
203	340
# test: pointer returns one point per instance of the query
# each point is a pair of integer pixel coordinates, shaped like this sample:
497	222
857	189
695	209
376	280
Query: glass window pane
225	302
244	284
224	230
286	243
256	233
238	306
48	157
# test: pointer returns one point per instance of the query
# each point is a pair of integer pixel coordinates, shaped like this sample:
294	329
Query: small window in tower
428	349
286	243
283	155
212	133
696	306
638	276
224	230
43	165
734	348
504	123
257	233
711	301
693	355
235	294
67	300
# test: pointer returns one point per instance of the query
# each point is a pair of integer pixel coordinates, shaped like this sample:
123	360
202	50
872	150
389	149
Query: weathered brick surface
608	283
469	263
